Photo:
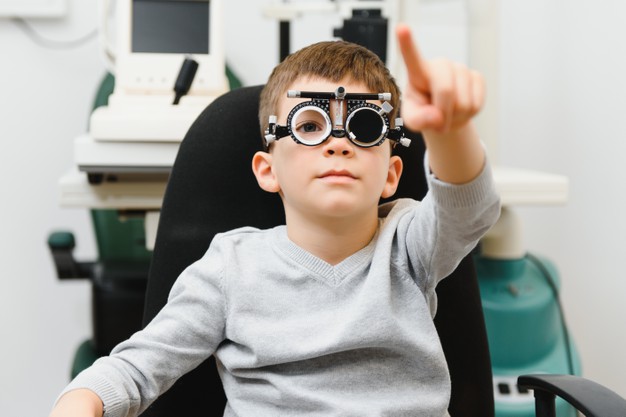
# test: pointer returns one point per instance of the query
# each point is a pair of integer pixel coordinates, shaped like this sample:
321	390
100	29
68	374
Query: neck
330	239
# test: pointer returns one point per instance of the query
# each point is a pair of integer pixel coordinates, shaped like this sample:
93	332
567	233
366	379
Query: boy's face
333	179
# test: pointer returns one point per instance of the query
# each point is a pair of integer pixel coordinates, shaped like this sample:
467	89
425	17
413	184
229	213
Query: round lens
366	127
310	125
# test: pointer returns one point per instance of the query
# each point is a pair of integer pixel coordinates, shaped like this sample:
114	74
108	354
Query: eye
308	127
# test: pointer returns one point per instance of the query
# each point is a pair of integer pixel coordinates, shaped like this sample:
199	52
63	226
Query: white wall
563	104
45	97
563	98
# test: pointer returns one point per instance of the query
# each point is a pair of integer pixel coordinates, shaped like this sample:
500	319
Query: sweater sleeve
185	332
448	224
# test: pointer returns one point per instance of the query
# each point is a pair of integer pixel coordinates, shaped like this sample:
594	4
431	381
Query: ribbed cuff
462	195
113	405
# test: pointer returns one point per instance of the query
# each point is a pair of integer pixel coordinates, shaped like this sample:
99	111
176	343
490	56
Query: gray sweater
295	336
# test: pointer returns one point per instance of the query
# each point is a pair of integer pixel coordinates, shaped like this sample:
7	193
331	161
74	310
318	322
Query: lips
337	174
337	177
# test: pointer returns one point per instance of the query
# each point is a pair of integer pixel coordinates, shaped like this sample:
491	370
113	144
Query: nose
338	146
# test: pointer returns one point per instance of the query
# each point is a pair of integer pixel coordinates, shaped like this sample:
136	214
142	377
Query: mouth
337	175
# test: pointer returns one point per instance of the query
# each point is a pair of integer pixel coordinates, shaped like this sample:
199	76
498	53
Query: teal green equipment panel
526	329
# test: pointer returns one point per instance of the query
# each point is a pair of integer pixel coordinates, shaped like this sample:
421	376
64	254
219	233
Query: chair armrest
588	397
61	245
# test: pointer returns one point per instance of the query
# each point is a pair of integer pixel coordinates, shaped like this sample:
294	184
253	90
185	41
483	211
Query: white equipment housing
140	121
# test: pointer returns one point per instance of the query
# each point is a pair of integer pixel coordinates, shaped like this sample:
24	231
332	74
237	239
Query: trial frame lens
365	125
309	124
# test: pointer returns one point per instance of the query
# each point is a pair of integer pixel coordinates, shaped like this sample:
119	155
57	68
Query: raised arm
440	100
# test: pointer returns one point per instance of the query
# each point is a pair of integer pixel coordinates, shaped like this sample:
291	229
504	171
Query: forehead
285	104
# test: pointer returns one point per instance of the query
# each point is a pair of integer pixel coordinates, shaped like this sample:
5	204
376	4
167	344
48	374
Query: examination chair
212	189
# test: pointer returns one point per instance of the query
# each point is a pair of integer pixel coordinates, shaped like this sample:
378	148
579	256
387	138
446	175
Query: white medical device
141	127
123	161
154	38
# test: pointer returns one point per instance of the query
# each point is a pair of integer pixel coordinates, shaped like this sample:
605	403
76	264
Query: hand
78	403
441	96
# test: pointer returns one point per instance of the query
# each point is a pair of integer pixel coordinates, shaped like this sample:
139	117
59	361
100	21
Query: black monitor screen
180	27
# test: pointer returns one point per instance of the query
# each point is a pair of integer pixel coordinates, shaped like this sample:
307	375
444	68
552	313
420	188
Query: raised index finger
417	71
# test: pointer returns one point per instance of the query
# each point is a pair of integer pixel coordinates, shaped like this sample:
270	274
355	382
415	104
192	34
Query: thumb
424	117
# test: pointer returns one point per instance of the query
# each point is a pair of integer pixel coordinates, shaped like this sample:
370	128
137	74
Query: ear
393	176
262	168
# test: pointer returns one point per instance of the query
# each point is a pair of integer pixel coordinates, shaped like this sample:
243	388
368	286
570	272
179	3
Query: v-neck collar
334	275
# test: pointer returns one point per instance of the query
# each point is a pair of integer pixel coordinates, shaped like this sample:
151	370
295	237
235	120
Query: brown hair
333	61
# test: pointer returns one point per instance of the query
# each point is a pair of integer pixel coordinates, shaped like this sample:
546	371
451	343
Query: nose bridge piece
338	133
337	109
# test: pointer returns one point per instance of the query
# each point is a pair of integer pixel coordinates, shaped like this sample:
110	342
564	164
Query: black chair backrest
212	189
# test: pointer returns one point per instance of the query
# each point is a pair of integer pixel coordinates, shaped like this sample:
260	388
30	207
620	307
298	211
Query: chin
342	209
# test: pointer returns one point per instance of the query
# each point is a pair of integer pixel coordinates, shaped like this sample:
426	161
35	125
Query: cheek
289	163
381	165
380	159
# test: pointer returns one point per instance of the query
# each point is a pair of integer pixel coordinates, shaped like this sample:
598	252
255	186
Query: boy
331	314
